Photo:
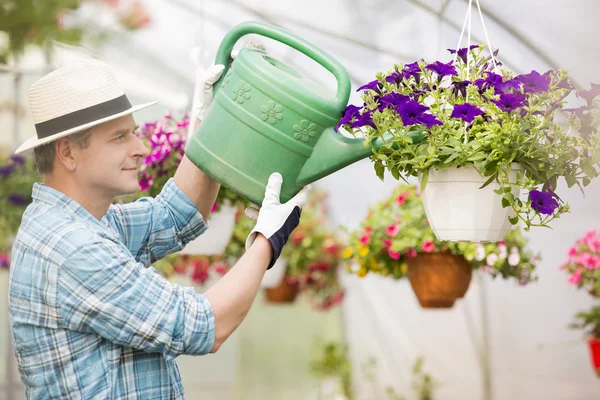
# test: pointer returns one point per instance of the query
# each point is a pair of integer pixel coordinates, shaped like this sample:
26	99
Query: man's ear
64	154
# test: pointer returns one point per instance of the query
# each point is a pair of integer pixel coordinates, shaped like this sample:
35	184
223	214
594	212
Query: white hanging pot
217	236
275	275
458	210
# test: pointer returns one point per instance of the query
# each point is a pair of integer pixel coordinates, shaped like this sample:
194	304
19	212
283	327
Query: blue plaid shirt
88	319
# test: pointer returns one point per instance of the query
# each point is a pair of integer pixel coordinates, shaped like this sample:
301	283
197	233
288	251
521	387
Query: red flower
392	230
411	253
387	243
393	255
365	239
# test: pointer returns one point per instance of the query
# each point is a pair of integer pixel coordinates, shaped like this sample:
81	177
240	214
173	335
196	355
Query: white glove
276	221
203	90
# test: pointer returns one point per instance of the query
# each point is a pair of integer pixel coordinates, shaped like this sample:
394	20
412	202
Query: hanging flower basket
432	119
458	209
217	236
594	346
438	279
284	292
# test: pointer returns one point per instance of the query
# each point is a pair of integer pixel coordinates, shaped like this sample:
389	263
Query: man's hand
276	221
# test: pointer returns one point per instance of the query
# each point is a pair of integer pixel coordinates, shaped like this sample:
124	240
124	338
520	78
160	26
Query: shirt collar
53	197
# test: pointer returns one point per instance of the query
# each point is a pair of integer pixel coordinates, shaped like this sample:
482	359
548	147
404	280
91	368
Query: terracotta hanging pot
594	345
282	293
438	279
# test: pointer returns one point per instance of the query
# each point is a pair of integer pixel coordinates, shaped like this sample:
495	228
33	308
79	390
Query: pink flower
368	229
572	251
589	261
365	239
575	278
428	246
220	268
411	253
387	243
145	181
402	198
392	230
214	207
394	255
4	260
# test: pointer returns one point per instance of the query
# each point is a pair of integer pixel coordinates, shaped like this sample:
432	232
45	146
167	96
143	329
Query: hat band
82	117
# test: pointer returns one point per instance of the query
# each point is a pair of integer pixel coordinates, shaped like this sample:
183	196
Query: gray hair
46	153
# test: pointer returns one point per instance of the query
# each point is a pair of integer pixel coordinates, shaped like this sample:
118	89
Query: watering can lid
286	78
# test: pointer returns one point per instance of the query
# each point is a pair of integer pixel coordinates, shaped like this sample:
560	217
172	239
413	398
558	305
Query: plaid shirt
88	319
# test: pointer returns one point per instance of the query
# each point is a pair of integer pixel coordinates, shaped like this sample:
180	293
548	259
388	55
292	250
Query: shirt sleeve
102	290
152	228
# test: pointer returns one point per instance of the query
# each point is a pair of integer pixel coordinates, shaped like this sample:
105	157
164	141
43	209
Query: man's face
109	164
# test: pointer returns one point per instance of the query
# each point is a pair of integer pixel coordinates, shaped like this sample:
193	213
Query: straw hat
74	98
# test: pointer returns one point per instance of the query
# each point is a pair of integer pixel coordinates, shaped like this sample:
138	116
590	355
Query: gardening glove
203	89
276	221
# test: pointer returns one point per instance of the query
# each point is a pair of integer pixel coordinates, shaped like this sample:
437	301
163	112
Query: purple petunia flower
394	78
442	69
543	202
7	170
348	114
428	120
467	112
460	86
17	200
17	159
589	95
363	120
373	85
462	53
577	111
410	111
393	100
534	82
509	102
500	86
411	69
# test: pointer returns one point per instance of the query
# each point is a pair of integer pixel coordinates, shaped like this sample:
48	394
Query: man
88	320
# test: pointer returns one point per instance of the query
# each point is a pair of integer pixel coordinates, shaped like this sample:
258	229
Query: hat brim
34	142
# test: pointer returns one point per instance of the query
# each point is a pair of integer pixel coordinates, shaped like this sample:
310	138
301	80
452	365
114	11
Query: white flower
491	259
502	253
480	253
514	257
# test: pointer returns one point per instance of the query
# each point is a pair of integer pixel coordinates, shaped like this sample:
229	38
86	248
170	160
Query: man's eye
120	138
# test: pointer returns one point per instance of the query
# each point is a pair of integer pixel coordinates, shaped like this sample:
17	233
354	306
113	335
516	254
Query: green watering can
266	117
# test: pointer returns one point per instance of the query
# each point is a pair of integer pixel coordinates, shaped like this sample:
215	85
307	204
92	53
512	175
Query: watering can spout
332	152
335	151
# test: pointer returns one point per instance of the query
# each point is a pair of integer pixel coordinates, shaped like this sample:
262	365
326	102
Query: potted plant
477	135
590	321
584	263
191	270
166	140
396	240
313	255
17	176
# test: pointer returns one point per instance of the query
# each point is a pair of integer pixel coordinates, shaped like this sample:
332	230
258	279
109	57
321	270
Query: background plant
589	321
584	263
396	229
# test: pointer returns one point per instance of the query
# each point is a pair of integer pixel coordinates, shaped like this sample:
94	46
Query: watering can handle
273	32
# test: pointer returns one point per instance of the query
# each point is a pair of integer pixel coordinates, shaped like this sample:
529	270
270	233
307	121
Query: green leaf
379	170
424	180
477	157
570	180
490	180
586	181
513	220
505	202
395	173
451	158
